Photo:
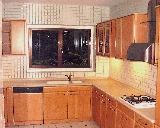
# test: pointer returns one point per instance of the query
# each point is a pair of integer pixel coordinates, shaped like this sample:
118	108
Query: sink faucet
69	77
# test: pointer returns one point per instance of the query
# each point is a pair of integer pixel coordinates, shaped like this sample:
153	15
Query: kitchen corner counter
110	86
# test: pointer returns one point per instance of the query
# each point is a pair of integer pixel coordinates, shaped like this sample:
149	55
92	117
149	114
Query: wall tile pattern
56	14
139	75
129	7
16	67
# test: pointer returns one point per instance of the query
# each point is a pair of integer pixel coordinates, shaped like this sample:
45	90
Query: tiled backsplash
16	67
139	75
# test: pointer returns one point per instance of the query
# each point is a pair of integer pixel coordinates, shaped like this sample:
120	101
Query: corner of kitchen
113	79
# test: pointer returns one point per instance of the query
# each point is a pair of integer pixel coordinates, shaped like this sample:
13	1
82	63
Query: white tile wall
129	7
16	67
139	75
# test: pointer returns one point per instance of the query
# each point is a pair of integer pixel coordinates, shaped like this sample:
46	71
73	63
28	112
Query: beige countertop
111	87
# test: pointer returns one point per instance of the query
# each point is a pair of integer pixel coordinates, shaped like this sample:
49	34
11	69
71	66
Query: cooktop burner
139	101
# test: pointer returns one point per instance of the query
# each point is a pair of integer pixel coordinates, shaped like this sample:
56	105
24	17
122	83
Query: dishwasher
27	105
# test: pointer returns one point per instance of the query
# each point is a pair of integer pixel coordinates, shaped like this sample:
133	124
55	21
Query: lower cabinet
28	108
141	122
99	107
96	105
8	106
55	104
125	116
65	104
111	113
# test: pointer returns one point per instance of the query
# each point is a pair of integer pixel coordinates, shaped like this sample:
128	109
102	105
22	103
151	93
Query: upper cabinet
13	37
130	29
105	38
115	36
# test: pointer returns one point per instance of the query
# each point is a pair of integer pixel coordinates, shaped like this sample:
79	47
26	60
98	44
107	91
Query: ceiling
107	3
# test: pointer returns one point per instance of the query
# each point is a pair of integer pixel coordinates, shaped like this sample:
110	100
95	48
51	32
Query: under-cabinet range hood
141	52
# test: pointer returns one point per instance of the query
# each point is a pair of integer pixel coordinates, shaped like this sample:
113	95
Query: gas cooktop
139	101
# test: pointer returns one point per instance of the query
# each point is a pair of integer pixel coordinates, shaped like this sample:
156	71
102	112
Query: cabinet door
127	34
106	44
85	104
100	38
112	38
110	116
55	106
8	106
17	36
118	45
73	105
103	110
28	108
96	105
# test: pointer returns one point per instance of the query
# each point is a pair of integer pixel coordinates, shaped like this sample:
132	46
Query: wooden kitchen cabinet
130	29
111	112
156	126
157	113
28	108
105	38
99	107
8	106
125	116
55	104
81	97
118	46
13	36
96	105
67	103
142	122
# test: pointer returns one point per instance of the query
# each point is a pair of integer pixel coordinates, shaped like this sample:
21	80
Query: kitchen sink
61	82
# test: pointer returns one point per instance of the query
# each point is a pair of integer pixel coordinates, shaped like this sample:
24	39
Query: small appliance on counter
139	101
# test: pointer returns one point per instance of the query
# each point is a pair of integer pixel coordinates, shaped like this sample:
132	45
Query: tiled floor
85	124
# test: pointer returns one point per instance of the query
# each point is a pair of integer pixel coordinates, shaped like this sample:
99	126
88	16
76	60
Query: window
60	48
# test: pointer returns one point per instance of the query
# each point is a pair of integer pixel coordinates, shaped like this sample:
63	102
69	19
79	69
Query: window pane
76	51
45	47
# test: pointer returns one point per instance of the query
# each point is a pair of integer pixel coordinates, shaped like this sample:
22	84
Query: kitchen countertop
111	87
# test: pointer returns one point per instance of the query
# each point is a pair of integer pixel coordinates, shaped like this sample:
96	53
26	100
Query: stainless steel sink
61	82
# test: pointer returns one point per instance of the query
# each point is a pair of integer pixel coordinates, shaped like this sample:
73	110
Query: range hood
141	52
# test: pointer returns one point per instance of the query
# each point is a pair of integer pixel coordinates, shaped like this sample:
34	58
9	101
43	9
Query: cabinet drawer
144	122
79	88
125	109
55	88
111	100
124	120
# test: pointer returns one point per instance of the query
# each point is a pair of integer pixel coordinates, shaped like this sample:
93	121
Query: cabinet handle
73	94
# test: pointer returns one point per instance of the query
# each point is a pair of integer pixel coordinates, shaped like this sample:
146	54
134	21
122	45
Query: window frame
55	27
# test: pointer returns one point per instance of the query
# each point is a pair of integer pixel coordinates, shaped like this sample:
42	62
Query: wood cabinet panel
143	122
118	45
8	106
17	36
157	113
96	105
71	104
130	29
55	106
28	108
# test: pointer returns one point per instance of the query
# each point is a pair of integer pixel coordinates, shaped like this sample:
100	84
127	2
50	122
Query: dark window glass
76	47
60	48
45	47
